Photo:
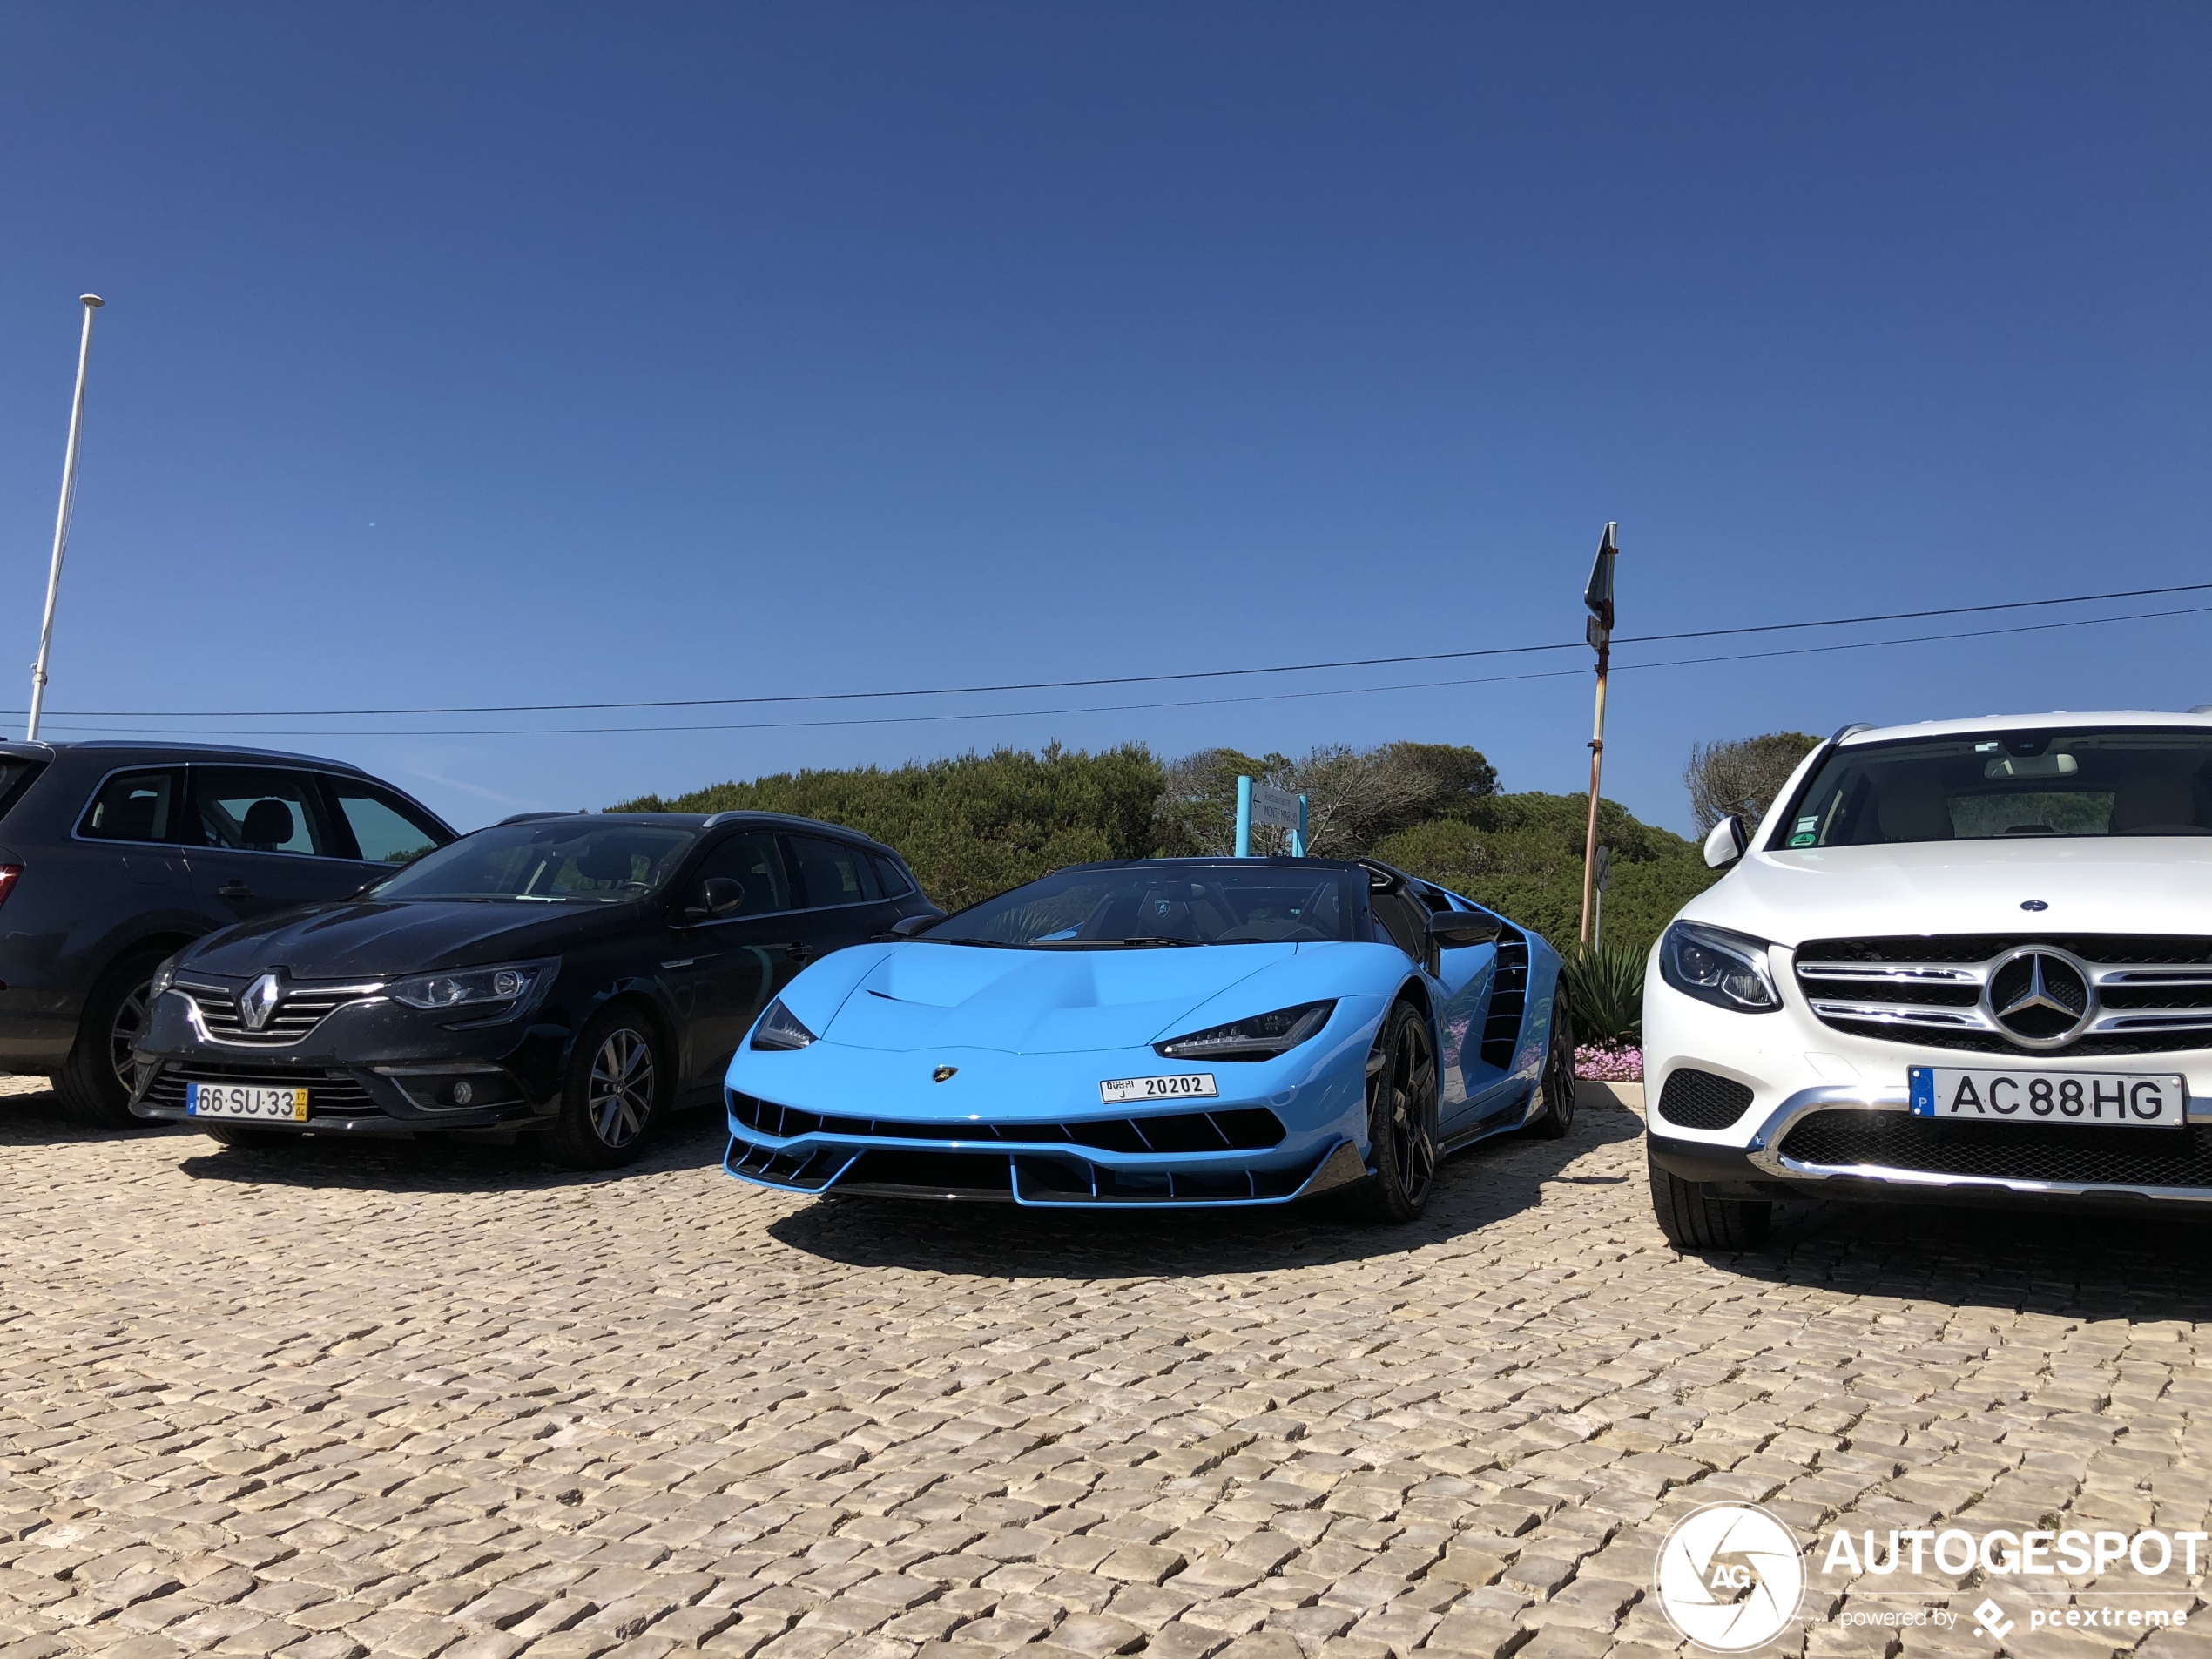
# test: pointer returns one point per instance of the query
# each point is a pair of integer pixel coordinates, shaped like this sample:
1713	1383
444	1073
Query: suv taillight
8	874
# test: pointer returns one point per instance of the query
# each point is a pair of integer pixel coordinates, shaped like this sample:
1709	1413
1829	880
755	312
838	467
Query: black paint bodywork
81	906
389	1069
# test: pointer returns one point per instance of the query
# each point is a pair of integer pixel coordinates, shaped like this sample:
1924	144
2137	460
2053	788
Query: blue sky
502	354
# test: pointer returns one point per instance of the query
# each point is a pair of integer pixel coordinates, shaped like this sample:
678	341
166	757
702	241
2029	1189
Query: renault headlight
163	977
1262	1037
1728	970
779	1028
468	987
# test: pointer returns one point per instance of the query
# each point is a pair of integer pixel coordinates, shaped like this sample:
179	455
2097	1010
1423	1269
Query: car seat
609	859
130	819
2149	801
268	826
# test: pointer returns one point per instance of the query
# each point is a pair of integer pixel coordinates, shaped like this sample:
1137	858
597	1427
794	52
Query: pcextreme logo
1731	1576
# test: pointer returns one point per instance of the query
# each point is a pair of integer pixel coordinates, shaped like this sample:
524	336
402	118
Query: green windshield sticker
1804	838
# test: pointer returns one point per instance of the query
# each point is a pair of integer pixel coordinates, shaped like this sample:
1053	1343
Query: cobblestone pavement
331	1400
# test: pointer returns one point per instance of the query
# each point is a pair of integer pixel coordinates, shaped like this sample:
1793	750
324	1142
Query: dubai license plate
247	1101
2115	1099
1120	1091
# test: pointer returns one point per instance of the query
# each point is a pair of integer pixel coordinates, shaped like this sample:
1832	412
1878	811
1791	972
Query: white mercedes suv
1967	960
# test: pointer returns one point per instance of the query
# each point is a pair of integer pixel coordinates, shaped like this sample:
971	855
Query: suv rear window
132	806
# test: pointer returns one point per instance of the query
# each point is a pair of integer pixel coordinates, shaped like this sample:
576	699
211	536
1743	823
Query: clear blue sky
506	354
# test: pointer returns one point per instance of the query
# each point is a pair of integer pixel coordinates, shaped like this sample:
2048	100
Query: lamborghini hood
1037	1002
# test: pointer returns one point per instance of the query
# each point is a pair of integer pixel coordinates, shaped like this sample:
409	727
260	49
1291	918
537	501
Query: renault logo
2039	997
257	1001
942	1073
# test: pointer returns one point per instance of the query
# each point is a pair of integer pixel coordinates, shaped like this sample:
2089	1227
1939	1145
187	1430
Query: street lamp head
92	302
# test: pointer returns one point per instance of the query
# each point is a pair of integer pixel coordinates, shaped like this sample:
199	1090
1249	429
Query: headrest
2153	800
268	823
609	860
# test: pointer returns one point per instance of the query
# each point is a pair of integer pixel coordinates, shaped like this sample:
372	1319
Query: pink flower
1606	1062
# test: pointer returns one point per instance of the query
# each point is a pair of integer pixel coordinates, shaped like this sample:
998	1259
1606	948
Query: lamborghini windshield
2008	786
1164	902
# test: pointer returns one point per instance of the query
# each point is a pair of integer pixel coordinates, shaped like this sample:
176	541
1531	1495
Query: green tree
1742	777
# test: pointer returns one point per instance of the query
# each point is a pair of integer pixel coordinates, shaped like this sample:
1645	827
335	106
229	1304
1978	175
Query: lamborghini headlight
779	1028
1262	1037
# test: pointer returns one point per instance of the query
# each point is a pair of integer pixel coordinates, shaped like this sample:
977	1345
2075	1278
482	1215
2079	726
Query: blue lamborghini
1168	1032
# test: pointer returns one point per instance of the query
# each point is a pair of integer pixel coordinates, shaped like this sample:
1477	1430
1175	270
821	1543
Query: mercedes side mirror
1725	841
719	896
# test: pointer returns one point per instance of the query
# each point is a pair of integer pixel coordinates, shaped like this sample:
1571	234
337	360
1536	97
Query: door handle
234	889
799	950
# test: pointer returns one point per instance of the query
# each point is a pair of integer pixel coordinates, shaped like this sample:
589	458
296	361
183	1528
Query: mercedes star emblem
2040	997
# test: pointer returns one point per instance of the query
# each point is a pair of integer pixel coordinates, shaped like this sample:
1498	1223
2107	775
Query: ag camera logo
1731	1576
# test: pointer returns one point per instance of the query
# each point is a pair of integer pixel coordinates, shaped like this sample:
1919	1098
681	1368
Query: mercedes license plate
1119	1091
2116	1099
247	1100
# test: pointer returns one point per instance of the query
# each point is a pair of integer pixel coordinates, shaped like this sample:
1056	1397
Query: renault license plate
1119	1091
2115	1099
250	1102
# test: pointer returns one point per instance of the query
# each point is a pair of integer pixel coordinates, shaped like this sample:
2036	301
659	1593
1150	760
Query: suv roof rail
1844	731
2202	708
532	818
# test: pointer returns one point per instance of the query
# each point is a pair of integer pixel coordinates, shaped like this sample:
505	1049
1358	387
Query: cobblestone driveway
337	1399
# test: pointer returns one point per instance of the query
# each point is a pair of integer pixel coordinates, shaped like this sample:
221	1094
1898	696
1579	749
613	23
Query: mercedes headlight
468	987
779	1028
1728	970
1262	1037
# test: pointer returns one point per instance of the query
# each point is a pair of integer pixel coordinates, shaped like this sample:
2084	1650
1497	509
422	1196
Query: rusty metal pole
1598	595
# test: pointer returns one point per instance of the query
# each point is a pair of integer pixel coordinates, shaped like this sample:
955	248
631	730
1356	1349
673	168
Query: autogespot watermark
1732	1577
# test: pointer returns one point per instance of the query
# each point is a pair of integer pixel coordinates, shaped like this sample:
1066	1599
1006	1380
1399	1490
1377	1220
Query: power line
1206	702
1116	679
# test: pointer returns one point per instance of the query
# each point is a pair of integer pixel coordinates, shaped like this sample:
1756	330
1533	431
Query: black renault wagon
112	856
574	976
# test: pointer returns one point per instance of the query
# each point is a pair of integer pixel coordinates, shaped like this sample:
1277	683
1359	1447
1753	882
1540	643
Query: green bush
976	825
1605	993
971	825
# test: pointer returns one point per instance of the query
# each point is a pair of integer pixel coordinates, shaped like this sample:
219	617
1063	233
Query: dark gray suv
114	854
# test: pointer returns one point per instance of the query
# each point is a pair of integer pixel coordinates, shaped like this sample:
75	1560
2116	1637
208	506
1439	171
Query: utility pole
92	302
1598	595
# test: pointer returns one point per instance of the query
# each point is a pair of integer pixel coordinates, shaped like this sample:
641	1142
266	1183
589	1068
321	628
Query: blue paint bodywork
1024	1039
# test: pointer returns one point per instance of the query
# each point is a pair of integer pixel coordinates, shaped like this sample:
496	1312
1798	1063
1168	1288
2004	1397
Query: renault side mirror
1724	842
908	927
720	895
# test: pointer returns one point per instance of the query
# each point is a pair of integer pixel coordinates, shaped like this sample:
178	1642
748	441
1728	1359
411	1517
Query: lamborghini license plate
1121	1091
247	1101
2115	1099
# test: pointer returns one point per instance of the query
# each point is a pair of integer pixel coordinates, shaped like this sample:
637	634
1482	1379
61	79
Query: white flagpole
92	302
